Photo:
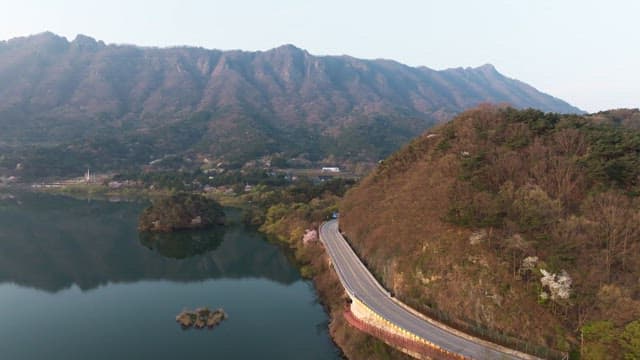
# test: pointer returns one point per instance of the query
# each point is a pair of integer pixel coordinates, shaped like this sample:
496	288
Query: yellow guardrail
406	333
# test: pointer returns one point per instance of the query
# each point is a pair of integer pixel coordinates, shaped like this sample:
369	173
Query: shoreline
352	343
310	259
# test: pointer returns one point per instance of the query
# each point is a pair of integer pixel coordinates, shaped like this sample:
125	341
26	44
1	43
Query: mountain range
68	96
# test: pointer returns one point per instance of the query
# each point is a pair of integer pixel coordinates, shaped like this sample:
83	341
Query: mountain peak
488	70
85	39
288	49
46	35
44	40
42	37
487	67
86	42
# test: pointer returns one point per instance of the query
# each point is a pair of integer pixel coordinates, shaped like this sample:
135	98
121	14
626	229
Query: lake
77	281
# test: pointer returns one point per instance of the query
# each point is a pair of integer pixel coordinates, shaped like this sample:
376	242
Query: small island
181	212
201	318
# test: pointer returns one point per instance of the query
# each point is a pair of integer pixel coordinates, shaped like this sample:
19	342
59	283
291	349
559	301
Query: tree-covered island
180	212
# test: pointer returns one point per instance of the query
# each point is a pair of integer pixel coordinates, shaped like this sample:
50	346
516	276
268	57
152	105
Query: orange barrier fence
400	341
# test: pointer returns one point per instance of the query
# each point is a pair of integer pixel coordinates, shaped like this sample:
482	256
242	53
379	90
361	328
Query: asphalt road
359	283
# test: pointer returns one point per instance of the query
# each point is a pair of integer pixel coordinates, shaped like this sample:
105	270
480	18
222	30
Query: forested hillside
513	222
66	105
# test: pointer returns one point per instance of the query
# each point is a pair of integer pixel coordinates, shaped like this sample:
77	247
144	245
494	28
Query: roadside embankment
315	264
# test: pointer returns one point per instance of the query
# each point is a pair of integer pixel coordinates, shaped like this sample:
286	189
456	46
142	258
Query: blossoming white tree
556	286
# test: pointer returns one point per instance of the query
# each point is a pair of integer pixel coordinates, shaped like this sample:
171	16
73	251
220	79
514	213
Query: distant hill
137	104
465	220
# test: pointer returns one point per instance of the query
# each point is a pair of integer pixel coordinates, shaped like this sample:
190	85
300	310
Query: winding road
360	284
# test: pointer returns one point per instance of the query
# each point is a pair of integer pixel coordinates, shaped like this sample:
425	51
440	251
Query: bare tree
616	227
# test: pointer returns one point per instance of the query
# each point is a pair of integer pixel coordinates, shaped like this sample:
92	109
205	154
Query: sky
582	51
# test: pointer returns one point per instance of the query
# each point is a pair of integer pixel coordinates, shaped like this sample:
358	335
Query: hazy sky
585	52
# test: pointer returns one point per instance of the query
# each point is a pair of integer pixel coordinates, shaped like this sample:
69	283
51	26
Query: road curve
360	284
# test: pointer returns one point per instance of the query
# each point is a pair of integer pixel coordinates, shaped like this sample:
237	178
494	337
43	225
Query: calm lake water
78	282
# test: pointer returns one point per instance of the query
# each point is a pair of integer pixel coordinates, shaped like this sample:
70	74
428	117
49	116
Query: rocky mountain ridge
281	101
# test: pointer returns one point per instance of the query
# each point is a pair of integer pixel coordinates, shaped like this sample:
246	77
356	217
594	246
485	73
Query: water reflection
183	244
51	242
